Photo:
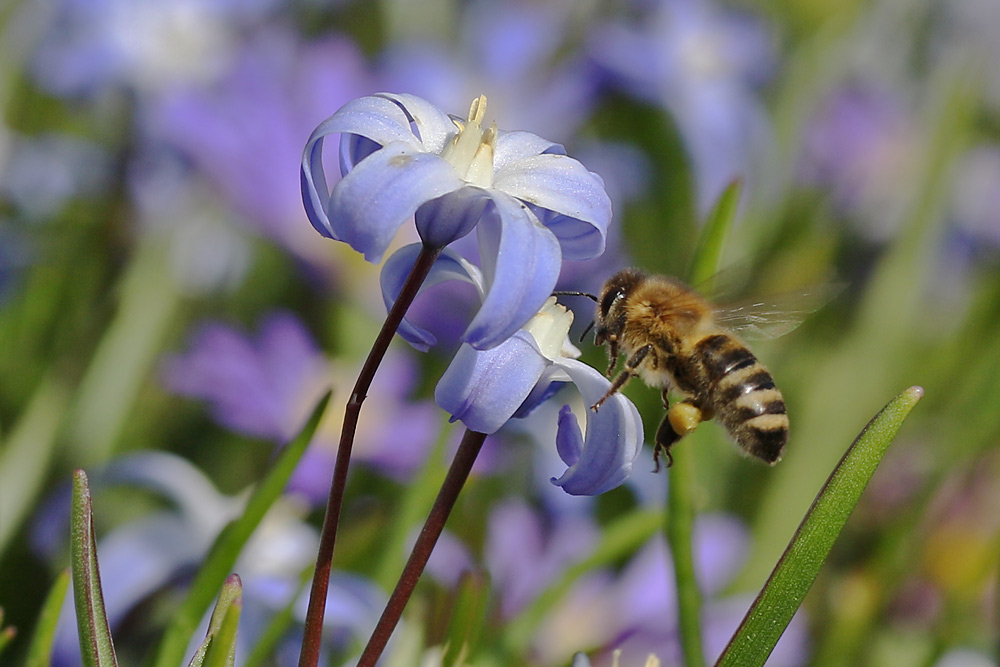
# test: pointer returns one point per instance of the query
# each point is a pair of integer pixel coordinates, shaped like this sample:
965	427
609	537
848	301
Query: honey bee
677	341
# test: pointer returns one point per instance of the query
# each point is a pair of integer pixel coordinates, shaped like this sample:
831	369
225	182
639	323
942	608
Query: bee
677	341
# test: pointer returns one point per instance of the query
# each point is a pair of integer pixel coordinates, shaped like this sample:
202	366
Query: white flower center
471	150
550	329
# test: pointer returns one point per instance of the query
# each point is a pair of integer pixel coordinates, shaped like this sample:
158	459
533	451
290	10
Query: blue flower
485	388
532	206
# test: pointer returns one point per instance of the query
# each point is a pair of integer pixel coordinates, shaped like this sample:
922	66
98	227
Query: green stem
679	529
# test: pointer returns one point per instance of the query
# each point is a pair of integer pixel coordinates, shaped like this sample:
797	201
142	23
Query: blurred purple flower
145	44
862	145
532	205
975	201
266	388
703	64
516	52
245	131
486	388
647	607
141	558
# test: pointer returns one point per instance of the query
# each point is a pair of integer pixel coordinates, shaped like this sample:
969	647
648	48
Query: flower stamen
471	149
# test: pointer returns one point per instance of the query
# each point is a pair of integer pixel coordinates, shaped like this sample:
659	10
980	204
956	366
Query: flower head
485	388
532	206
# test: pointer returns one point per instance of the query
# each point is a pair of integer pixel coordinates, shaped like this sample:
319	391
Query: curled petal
514	146
445	219
521	261
370	203
565	187
603	460
483	388
434	127
448	266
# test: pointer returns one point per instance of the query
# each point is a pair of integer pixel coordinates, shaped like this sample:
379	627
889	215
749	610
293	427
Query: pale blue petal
613	440
569	439
521	260
370	203
448	266
434	126
446	219
562	185
579	240
514	146
483	388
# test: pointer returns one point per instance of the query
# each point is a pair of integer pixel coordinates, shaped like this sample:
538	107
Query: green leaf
40	651
797	569
708	253
467	619
222	647
92	623
232	593
230	542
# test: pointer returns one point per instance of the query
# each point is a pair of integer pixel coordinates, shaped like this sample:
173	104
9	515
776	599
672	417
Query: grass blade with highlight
96	646
232	593
797	569
40	651
230	542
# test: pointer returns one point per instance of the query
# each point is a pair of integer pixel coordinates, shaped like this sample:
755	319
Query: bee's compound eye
609	300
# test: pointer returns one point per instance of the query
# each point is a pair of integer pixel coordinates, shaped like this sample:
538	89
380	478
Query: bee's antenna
587	330
586	294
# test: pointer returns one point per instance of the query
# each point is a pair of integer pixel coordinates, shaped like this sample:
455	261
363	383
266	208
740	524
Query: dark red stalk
312	638
458	473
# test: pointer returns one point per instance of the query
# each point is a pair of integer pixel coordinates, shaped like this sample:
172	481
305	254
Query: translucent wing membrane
774	315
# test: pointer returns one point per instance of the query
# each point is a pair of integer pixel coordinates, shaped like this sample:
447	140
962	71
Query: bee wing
774	315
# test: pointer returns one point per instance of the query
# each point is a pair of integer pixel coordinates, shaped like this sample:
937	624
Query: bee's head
610	317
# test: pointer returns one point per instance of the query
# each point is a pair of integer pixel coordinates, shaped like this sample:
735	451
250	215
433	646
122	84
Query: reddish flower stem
312	638
458	473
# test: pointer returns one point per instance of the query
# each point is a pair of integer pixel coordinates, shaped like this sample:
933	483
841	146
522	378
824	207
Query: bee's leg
681	418
612	355
630	369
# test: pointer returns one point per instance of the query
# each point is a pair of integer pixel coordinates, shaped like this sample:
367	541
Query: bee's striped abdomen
744	396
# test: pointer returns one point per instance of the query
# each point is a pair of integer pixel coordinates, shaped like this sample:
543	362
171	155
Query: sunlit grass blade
230	542
40	650
707	255
232	593
222	648
797	569
92	622
467	619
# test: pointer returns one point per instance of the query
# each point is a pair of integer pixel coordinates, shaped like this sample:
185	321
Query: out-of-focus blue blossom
532	205
44	172
516	52
975	202
486	388
863	145
145	44
704	64
245	130
965	657
267	387
142	557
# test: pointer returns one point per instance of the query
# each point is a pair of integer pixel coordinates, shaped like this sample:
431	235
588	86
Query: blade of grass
222	647
232	593
230	542
40	650
707	256
797	569
96	646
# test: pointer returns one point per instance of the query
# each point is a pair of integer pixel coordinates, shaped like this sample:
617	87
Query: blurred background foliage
162	291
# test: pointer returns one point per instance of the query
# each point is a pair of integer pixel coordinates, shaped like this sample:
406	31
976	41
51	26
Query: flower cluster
531	206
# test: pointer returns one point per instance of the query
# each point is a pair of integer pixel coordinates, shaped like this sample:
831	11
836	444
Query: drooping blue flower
485	388
400	156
